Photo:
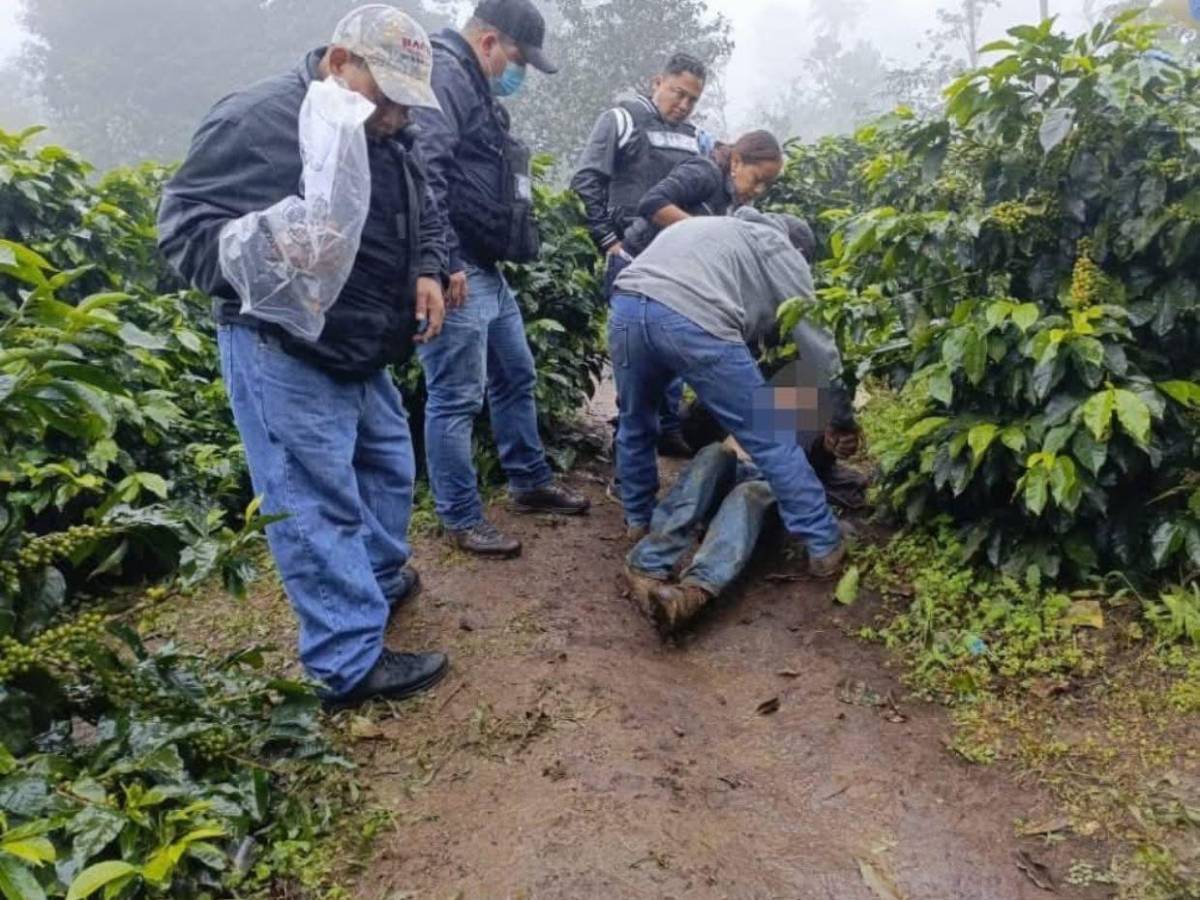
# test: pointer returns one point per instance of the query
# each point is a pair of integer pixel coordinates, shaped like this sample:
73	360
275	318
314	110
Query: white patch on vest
667	140
624	127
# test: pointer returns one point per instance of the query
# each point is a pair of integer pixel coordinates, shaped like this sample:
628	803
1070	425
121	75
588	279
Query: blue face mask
510	81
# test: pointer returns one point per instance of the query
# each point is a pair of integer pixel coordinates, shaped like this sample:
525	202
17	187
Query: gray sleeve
597	164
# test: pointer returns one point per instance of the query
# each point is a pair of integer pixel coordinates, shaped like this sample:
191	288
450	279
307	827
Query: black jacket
697	186
631	149
472	159
244	158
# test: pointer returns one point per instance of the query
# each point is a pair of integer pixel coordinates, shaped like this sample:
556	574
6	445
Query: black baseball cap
521	21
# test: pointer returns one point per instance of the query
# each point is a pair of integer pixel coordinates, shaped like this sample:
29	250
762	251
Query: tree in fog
608	49
127	80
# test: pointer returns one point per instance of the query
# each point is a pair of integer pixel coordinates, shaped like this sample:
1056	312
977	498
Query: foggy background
127	80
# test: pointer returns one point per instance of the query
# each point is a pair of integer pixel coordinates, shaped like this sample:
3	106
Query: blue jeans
672	398
482	350
650	345
714	491
336	459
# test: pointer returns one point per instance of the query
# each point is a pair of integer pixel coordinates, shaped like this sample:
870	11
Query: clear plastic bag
289	262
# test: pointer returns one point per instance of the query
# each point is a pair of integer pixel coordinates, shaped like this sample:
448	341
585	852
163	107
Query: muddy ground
570	754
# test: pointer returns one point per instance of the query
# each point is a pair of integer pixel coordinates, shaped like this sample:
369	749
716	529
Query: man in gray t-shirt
687	307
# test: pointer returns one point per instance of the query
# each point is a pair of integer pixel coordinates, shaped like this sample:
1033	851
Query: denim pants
672	398
715	491
650	345
335	458
482	350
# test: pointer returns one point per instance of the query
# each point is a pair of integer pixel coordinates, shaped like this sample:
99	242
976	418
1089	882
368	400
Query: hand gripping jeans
651	344
335	458
730	501
482	350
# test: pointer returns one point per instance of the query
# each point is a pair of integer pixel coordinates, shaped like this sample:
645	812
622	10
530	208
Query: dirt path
571	755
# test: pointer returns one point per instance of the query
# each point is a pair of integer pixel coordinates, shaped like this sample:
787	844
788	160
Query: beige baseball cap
396	49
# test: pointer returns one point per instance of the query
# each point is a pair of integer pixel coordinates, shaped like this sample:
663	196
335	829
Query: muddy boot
553	498
640	586
486	540
675	606
830	565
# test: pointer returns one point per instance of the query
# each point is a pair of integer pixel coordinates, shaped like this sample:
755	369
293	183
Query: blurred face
389	117
676	96
751	180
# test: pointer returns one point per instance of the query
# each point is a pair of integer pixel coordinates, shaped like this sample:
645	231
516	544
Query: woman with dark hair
737	174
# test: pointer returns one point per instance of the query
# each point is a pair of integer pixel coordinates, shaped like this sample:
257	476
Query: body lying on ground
688	306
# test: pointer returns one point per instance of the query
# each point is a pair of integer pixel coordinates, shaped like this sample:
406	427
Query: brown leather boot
640	586
675	606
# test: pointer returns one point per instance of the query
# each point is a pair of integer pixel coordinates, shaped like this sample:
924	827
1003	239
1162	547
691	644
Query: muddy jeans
714	490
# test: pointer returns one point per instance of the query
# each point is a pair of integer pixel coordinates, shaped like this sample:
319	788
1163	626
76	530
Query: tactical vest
648	148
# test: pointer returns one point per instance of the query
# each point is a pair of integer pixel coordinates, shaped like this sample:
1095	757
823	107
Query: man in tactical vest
480	177
633	147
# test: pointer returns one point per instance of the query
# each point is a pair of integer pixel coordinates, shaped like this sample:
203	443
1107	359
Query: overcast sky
761	58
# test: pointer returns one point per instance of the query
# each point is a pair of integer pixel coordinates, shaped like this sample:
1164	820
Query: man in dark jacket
480	176
326	434
633	147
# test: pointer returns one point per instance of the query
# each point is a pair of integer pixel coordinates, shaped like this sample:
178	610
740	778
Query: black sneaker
485	539
553	498
394	677
410	586
673	444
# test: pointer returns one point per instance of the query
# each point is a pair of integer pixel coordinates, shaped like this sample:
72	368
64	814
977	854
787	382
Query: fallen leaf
363	729
1053	826
788	673
883	886
768	707
847	589
1036	872
1083	614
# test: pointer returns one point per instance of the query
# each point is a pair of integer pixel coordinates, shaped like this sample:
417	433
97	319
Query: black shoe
394	677
672	444
553	498
410	586
485	539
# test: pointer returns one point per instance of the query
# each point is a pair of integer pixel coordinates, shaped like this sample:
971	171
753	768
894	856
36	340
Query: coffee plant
131	770
1029	264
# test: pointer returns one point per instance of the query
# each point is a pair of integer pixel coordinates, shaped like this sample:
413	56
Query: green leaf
980	438
17	882
155	484
1185	393
136	337
1056	126
1098	413
975	357
98	876
1092	454
1013	437
32	850
1064	484
925	427
941	386
847	589
1026	315
1134	416
1165	542
1037	490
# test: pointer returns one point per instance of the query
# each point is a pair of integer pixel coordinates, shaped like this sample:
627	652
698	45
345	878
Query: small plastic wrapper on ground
289	262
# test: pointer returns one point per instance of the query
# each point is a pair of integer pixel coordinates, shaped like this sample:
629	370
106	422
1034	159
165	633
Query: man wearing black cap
480	177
